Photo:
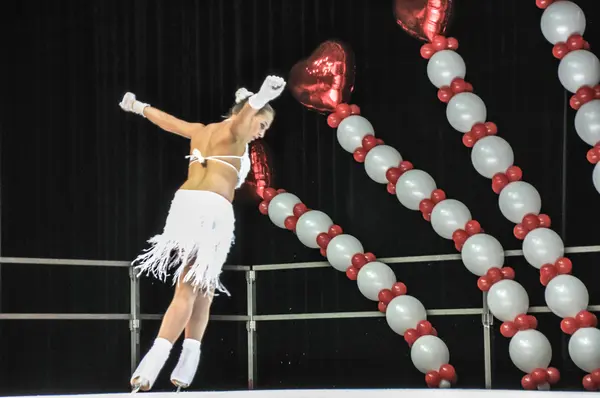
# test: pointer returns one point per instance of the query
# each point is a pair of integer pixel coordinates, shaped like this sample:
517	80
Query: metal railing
251	318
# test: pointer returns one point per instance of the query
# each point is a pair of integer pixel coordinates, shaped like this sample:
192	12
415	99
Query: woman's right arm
161	119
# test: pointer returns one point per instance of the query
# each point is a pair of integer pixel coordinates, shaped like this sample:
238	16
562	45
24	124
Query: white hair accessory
241	94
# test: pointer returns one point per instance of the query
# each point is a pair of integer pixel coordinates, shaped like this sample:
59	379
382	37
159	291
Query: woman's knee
185	293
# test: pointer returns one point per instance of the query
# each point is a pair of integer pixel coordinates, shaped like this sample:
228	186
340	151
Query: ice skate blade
180	386
140	385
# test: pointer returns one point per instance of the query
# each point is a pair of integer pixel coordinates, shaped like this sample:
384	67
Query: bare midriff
214	176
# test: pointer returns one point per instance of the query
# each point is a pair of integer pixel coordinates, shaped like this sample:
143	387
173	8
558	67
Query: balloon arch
324	83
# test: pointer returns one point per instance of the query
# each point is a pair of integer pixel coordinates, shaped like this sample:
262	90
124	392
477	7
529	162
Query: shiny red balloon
423	19
326	79
260	172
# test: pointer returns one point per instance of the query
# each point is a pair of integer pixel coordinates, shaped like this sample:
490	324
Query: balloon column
519	201
481	253
405	314
563	24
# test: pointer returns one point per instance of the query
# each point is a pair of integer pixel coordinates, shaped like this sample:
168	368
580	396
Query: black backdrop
82	179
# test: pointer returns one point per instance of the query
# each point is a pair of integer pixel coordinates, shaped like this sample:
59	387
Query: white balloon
379	160
341	249
579	68
445	66
351	132
561	20
413	186
542	246
518	199
596	177
481	252
566	295
584	349
464	111
310	225
491	155
373	277
282	207
507	299
429	353
587	122
404	312
448	216
529	350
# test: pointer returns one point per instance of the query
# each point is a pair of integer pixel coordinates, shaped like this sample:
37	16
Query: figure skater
199	229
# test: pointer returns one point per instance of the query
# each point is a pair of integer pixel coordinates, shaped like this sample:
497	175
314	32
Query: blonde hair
242	95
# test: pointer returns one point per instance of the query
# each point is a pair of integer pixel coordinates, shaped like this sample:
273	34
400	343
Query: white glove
130	104
271	88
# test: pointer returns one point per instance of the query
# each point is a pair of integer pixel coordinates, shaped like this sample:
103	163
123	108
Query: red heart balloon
326	78
423	19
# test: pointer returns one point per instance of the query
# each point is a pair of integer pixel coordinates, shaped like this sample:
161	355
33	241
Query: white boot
184	372
150	366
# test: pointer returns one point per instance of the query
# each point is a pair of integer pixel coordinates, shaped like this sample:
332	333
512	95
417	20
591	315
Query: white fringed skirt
198	234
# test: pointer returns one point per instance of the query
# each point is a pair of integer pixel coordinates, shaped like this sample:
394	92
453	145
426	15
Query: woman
199	229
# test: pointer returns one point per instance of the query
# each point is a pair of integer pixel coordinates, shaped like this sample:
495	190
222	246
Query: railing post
134	320
487	320
251	326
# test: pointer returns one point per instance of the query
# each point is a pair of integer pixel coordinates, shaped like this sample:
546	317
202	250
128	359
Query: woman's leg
184	372
174	321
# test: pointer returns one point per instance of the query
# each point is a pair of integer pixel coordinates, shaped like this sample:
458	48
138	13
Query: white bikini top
196	156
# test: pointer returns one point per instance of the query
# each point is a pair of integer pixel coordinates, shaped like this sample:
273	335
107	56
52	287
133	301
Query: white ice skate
184	372
147	371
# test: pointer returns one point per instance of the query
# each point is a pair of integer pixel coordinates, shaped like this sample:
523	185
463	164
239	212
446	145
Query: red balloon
370	257
382	307
568	325
358	260
290	223
508	273
531	221
335	230
343	110
385	296
448	372
391	188
369	142
595	376
352	273
410	336
528	383
492	129
333	120
423	19
323	240
588	383
586	319
437	196
359	155
399	289
508	329
355	109
325	79
300	209
269	194
424	328
564	266
263	207
432	378
575	42
553	375
560	50
473	227
545	221
586	94
494	274
484	283
520	232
